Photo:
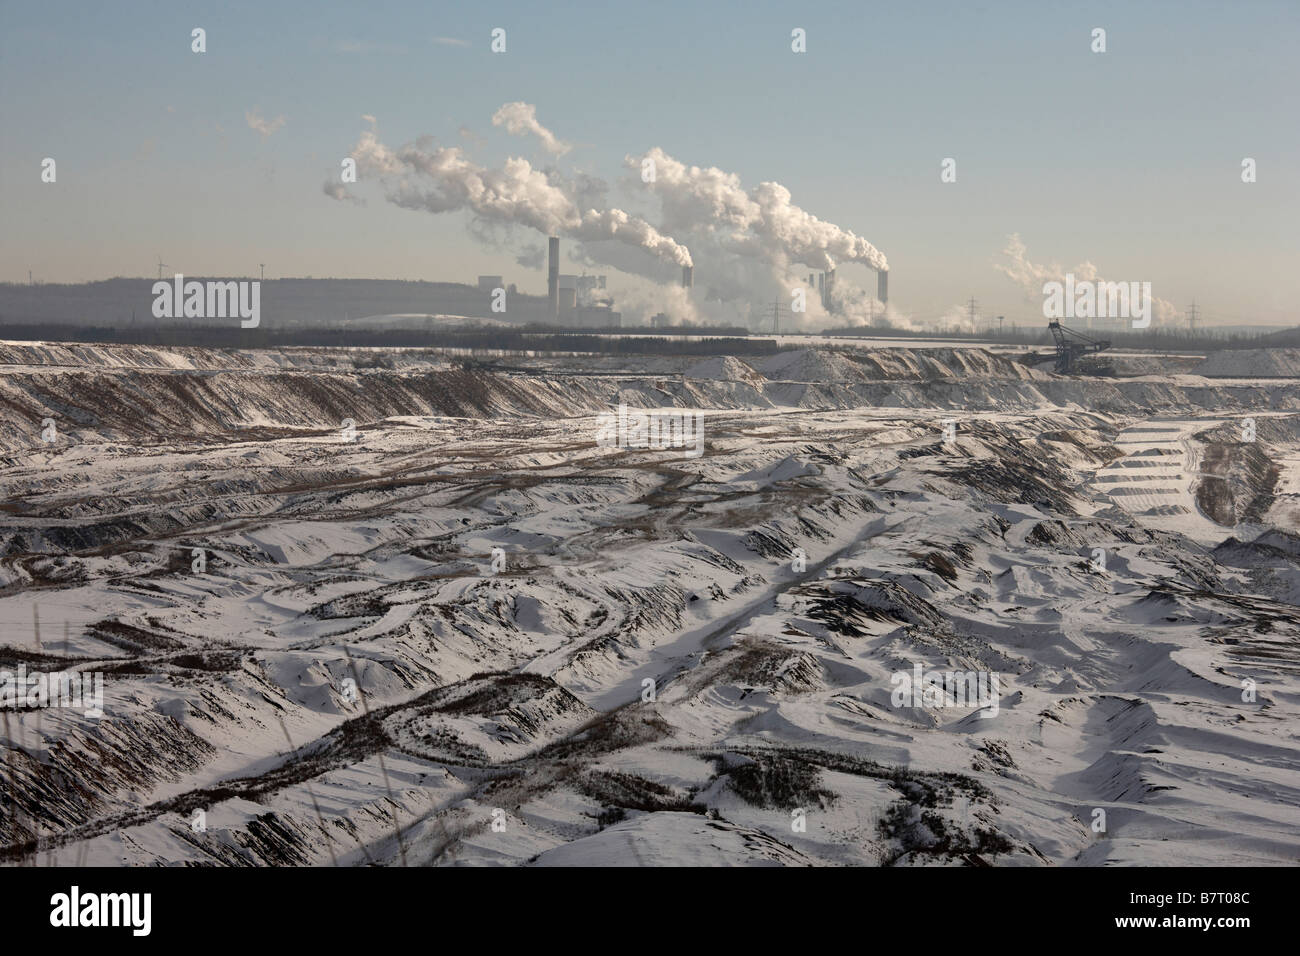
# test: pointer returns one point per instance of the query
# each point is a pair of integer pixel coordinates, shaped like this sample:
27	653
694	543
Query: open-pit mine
413	612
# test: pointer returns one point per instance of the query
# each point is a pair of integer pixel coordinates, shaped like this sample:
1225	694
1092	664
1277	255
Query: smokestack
821	287
688	276
553	277
882	286
830	286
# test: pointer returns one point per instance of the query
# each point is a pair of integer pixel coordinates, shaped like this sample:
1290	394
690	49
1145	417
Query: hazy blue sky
1129	159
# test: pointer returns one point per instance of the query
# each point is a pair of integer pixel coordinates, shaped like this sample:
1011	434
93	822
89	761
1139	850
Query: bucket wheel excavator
1072	346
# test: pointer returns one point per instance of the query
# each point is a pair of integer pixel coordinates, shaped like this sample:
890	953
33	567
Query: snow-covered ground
471	633
1157	477
1252	363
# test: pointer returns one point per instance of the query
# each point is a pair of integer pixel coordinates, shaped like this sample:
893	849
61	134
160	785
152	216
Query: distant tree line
616	341
495	339
1162	339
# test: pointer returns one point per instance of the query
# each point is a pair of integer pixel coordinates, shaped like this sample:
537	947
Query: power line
777	309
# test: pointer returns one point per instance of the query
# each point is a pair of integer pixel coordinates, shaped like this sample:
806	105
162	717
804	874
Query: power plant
571	299
568	295
553	277
825	283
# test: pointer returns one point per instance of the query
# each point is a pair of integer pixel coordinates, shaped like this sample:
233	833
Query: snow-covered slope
1251	363
473	634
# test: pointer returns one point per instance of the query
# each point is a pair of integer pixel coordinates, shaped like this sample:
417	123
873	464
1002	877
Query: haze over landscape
214	161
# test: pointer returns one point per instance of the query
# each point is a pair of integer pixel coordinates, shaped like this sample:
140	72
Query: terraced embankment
682	659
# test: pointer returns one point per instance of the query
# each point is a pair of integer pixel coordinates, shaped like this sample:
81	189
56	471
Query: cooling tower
553	277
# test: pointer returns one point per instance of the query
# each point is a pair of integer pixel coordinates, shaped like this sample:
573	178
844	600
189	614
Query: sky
1128	159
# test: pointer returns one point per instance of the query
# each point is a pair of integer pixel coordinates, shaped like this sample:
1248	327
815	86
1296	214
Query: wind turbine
161	266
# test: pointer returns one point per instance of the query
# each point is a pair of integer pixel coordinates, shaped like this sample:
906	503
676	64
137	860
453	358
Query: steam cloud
761	223
443	179
754	246
520	119
336	190
260	124
1031	276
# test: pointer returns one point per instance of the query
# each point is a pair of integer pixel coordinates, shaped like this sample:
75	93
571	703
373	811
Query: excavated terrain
412	612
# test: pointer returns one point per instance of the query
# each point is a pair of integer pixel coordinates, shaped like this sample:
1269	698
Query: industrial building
573	300
824	282
585	288
553	277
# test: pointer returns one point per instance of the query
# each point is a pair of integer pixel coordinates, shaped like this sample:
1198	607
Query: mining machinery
1072	346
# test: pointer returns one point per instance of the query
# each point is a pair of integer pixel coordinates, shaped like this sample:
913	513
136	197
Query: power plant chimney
553	277
882	286
830	286
688	277
821	287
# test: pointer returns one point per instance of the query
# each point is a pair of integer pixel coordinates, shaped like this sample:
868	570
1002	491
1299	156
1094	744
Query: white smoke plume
752	248
532	256
520	119
856	306
443	179
336	190
260	124
1030	276
640	301
761	223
